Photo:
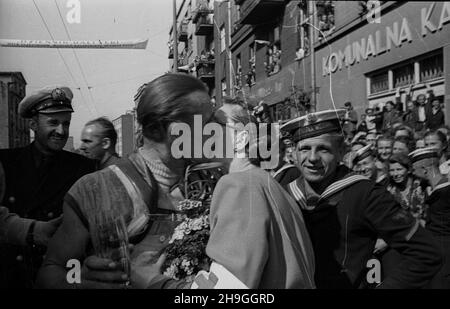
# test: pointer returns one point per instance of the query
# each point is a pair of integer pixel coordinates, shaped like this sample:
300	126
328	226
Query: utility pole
311	13
175	38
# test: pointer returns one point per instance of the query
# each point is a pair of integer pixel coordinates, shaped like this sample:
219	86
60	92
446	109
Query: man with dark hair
389	116
98	142
346	213
140	188
37	177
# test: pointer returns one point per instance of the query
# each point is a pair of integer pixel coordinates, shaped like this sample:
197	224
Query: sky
113	75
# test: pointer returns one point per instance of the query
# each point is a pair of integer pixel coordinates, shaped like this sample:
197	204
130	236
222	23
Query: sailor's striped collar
337	186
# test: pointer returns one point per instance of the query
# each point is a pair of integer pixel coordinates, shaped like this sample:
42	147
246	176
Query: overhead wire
60	54
77	59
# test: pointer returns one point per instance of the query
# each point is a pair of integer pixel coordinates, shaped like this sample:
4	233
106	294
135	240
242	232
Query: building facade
368	62
126	138
14	130
269	60
195	41
298	56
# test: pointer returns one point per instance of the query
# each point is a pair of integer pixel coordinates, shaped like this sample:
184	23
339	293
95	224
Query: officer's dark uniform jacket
35	189
344	223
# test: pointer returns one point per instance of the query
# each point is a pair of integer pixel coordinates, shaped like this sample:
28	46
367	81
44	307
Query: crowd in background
379	144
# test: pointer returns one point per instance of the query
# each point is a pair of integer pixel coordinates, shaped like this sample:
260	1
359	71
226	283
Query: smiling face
318	157
398	173
421	99
384	148
51	130
366	167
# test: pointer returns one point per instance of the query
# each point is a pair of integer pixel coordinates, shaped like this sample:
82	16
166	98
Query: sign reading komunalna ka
113	44
375	45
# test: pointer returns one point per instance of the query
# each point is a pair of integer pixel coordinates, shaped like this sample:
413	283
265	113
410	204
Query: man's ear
242	140
34	123
106	143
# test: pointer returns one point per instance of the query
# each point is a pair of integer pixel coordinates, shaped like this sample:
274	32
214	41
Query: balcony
204	26
183	32
260	11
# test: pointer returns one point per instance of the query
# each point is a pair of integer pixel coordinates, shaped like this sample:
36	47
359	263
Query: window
404	75
189	46
431	67
379	82
238	73
325	17
273	54
411	72
224	87
282	111
222	39
302	33
251	74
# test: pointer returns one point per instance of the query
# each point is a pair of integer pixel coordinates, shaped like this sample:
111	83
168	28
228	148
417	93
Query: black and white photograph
226	145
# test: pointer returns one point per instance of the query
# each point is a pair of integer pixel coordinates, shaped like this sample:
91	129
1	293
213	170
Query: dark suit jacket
41	198
36	197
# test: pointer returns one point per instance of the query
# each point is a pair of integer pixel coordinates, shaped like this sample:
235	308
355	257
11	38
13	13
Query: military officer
37	177
346	213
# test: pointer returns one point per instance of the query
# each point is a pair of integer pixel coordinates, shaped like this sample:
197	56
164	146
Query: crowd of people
341	194
379	145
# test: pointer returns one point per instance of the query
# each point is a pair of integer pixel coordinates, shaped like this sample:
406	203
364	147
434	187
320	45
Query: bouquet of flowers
186	252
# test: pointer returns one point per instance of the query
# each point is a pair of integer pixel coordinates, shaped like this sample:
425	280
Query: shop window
431	67
404	75
379	83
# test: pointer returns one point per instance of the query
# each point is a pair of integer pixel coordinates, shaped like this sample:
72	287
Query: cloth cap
48	100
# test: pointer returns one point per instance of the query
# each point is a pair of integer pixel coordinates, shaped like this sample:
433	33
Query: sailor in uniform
346	213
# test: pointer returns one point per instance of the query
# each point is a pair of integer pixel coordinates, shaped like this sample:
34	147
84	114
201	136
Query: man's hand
99	273
409	89
43	231
144	269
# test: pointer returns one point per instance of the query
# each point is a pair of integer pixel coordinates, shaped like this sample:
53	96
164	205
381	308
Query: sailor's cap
363	153
423	153
314	124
